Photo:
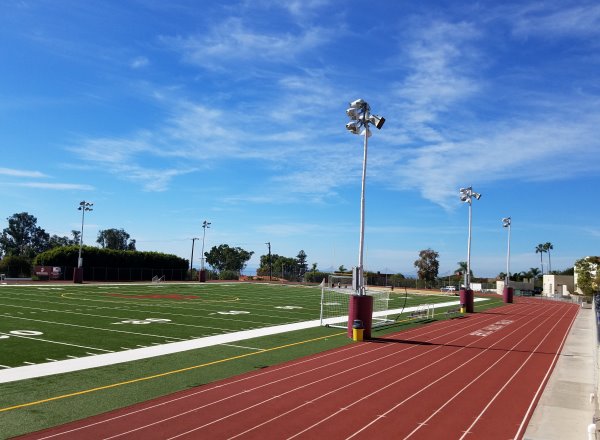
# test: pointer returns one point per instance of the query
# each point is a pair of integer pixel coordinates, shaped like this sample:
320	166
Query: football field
55	322
52	322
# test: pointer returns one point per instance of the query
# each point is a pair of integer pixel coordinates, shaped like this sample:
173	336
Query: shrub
228	275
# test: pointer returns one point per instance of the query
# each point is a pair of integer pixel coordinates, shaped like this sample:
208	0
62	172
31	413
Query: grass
87	319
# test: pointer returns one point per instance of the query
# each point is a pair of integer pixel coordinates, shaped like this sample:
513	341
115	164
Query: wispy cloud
232	40
556	21
139	62
21	173
55	186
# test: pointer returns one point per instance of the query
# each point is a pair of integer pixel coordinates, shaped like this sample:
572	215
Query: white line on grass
92	328
56	342
70	365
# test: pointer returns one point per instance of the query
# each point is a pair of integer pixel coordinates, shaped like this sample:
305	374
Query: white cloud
139	62
552	22
21	173
56	186
231	40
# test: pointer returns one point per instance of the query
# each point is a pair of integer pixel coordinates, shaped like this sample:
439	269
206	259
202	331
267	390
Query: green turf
87	316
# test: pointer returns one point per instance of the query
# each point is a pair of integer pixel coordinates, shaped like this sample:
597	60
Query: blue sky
165	114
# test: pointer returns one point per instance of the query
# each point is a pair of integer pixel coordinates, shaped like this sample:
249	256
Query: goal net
335	303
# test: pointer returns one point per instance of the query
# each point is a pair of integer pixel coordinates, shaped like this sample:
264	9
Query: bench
451	313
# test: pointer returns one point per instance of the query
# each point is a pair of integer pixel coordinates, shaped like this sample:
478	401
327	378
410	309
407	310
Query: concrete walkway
569	403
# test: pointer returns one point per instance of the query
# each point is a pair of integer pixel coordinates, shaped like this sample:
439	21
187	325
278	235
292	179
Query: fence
121	274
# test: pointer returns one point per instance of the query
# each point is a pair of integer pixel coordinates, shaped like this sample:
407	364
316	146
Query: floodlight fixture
354	113
359	103
506	222
354	127
360	118
377	121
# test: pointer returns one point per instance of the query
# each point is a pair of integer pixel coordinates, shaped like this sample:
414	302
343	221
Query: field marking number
144	321
21	333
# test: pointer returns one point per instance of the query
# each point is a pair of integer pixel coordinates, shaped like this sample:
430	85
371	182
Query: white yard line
102	360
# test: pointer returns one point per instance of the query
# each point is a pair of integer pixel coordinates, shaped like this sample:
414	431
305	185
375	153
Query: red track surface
476	378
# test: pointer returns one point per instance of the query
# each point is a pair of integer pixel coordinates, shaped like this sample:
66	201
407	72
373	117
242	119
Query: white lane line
4	366
471	383
351	348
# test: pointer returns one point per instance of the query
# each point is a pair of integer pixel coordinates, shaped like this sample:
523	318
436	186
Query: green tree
302	264
539	249
23	237
116	239
533	272
547	248
284	267
313	268
342	269
428	265
224	257
588	275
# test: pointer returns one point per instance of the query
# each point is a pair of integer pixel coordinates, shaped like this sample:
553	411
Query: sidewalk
569	401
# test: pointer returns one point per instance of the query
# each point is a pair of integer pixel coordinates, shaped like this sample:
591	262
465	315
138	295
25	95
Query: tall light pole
507	292
270	266
192	257
506	223
360	115
78	273
205	225
466	195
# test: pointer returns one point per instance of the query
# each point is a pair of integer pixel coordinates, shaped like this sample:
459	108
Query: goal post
335	303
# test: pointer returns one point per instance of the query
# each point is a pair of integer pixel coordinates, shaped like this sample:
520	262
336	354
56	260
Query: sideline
168	373
102	360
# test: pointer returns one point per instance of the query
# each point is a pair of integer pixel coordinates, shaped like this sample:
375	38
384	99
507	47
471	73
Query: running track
479	377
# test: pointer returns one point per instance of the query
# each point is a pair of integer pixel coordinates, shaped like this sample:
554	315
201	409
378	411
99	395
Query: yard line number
20	333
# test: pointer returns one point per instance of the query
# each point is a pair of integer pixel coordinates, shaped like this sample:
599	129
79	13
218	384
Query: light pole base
507	294
78	275
202	276
466	300
361	308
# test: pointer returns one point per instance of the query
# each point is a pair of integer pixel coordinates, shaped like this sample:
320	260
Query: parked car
449	289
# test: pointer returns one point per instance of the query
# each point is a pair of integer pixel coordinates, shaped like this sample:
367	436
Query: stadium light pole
192	257
506	223
360	116
466	195
205	225
78	274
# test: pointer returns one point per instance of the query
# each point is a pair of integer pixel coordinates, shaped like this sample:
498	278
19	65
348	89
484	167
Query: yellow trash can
357	330
357	334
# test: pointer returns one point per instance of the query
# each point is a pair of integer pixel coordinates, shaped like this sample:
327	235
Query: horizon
166	115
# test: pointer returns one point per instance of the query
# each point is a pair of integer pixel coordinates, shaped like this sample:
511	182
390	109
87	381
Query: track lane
283	401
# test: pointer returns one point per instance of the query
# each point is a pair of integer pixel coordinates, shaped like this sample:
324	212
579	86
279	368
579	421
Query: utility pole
192	258
270	268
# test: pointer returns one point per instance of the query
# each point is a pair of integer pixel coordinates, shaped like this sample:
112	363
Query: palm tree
534	272
547	248
539	249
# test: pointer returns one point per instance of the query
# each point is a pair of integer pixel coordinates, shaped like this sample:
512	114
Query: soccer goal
335	302
156	279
